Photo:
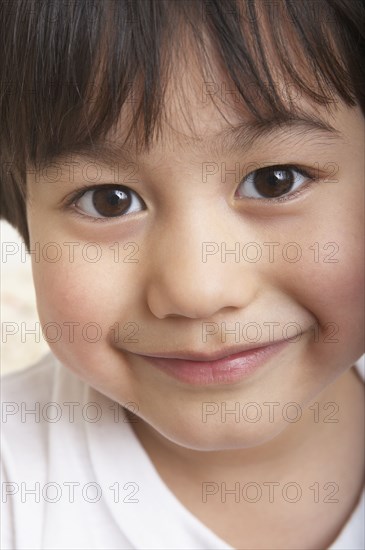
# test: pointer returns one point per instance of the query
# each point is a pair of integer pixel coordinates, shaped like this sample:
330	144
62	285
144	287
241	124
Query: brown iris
111	202
273	181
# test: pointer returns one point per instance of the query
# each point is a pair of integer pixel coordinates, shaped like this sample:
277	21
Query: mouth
222	367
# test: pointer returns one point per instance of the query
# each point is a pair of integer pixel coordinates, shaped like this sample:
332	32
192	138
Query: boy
204	321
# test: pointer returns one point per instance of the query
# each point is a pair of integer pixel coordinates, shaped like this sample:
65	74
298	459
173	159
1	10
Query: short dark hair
68	66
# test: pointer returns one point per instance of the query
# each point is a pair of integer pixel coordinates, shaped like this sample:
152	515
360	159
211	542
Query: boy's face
150	284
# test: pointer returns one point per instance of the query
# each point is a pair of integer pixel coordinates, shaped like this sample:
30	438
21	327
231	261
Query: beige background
18	305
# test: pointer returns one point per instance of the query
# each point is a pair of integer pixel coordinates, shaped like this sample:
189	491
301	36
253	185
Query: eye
272	182
109	202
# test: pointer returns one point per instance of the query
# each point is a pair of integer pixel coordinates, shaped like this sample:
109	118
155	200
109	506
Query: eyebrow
240	138
244	136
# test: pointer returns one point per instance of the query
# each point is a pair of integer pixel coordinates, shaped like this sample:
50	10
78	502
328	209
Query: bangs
72	67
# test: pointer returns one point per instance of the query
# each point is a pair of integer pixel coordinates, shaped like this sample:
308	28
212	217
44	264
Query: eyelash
306	172
81	191
312	175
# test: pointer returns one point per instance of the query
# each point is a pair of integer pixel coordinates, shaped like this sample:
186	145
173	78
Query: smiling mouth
222	367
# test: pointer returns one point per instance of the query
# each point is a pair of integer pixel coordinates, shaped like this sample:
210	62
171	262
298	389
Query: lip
221	367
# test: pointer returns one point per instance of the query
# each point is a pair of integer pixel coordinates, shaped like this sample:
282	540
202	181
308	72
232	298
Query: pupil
271	182
111	202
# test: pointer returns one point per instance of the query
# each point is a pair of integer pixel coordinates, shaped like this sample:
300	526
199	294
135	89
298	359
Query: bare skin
170	292
331	455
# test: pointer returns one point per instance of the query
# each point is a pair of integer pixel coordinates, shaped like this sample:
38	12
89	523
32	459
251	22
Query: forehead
198	107
206	114
202	97
199	98
202	68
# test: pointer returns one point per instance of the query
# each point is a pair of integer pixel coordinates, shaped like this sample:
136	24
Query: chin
219	437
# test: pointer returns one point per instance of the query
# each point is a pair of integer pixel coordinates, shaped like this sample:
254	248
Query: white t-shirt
74	474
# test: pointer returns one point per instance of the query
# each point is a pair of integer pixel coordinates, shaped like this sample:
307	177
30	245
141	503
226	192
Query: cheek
78	305
330	284
69	292
334	294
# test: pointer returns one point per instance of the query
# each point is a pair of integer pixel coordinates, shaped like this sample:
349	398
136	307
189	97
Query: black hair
68	67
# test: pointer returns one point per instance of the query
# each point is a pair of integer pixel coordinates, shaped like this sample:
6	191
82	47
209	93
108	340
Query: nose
186	281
